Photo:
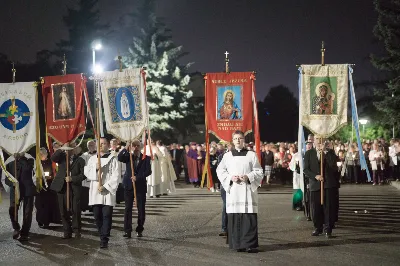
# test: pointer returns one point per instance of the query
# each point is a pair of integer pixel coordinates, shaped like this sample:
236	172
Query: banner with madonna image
324	98
124	103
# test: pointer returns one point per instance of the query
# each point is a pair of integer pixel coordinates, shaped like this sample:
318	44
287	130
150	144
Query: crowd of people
98	179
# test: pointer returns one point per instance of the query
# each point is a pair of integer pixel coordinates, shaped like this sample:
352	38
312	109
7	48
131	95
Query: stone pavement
182	229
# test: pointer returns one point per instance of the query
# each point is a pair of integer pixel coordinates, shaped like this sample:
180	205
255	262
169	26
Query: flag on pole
19	123
324	98
63	103
124	103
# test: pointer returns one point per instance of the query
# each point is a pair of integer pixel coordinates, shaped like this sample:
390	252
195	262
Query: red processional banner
63	105
228	103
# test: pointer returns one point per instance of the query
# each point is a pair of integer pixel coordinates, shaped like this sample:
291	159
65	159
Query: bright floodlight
363	121
96	45
97	69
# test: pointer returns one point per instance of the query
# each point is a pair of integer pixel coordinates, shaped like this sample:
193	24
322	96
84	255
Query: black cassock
46	203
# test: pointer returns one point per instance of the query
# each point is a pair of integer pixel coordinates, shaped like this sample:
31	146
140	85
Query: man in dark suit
73	179
27	190
184	163
142	169
322	215
176	155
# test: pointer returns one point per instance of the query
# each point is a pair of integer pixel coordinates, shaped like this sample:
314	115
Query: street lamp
96	45
363	122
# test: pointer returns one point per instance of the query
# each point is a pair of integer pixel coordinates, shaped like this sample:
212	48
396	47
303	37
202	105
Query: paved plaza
182	229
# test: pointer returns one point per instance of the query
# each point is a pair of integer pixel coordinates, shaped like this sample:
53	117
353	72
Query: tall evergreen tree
167	79
83	28
387	30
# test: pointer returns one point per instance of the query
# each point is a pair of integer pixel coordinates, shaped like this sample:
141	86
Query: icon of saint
229	109
125	110
64	108
323	101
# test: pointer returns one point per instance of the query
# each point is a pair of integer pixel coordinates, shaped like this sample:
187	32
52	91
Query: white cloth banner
17	116
324	98
124	101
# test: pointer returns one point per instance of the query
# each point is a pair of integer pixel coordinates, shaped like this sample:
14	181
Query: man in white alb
240	173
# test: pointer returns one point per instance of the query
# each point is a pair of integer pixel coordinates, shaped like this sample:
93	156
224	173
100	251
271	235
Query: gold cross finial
226	62
13	72
323	53
120	61
64	71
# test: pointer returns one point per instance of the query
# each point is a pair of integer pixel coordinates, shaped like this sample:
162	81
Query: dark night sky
270	37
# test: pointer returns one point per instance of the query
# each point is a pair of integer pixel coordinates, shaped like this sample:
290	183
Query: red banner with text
63	100
228	103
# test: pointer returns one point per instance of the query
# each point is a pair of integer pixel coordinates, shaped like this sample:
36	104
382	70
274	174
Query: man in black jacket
176	155
74	179
142	169
322	215
27	190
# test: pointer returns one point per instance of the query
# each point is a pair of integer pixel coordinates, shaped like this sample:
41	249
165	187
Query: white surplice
110	180
154	180
297	180
168	176
243	197
86	156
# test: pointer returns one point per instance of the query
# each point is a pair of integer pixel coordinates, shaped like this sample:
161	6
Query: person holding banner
241	174
102	196
323	216
73	179
141	170
24	174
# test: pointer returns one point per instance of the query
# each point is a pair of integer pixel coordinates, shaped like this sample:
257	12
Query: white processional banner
124	101
18	117
324	98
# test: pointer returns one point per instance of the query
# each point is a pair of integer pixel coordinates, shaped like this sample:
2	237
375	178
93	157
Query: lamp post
96	45
393	122
363	122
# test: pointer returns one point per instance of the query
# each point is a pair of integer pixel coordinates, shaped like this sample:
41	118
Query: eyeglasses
238	138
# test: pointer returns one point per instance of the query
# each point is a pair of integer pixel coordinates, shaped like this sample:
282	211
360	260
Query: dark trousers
325	216
103	218
186	175
306	202
224	215
178	169
27	214
75	206
377	175
141	207
352	173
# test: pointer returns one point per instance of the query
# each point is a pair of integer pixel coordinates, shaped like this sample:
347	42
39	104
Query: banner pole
322	172
322	53
97	91
133	173
15	189
67	183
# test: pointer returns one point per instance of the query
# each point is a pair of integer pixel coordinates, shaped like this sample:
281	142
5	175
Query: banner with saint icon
63	103
124	103
324	98
229	106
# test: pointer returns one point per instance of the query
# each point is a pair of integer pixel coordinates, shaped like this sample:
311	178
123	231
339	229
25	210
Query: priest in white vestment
103	196
168	175
294	166
154	180
240	173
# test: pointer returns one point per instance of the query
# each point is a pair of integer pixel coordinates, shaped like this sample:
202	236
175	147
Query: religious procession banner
19	124
124	103
63	103
228	103
324	98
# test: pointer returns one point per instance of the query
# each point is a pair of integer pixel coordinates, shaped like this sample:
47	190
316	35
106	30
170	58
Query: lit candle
46	173
354	156
339	164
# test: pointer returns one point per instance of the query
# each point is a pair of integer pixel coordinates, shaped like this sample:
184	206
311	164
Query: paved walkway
182	229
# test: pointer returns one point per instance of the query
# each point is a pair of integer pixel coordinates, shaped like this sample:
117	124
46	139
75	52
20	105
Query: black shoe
103	245
328	235
23	238
316	232
241	250
299	209
67	236
41	225
252	250
16	234
78	235
165	194
139	234
224	234
308	219
128	235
